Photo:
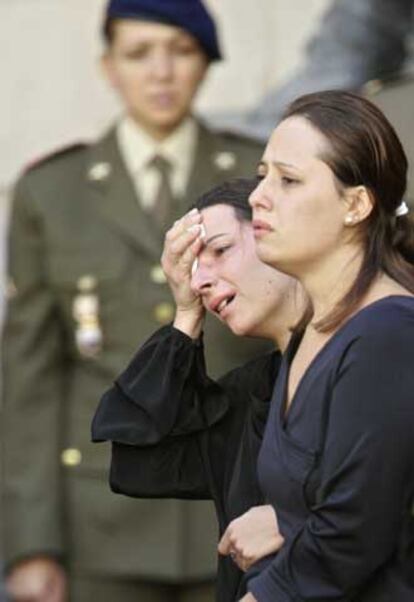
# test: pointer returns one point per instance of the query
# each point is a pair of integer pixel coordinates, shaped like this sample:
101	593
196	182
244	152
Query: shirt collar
138	148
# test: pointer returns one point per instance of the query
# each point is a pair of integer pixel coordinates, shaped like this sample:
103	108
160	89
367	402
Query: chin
241	329
265	252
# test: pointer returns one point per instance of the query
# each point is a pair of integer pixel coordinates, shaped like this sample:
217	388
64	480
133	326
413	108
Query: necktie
164	199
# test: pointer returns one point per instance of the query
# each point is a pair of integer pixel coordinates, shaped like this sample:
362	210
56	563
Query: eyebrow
209	240
277	164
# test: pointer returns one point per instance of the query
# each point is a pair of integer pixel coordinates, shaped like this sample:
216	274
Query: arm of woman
154	416
366	486
157	396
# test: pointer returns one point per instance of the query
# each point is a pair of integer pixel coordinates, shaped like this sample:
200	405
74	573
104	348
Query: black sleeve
164	391
154	415
367	480
174	430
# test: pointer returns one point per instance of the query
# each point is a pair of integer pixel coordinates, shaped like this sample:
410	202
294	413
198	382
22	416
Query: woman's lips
163	100
219	304
261	227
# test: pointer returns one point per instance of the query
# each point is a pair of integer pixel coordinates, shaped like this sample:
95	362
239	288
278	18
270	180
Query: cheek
128	79
190	74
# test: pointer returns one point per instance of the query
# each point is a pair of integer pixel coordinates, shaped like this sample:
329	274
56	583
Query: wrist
190	322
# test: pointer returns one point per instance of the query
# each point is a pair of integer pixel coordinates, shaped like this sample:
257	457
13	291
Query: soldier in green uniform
85	287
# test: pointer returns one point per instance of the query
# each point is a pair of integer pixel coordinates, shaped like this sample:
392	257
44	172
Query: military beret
190	15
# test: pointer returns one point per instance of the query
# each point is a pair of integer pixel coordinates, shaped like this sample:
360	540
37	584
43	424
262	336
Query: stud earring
349	219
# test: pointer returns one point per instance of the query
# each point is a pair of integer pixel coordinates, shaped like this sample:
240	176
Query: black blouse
339	466
176	433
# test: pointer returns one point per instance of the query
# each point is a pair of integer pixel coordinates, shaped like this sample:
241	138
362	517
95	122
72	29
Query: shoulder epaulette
60	152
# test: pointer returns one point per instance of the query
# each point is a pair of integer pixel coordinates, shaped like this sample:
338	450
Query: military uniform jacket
178	433
76	220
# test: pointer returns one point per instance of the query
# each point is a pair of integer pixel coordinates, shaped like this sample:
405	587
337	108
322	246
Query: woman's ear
107	68
359	204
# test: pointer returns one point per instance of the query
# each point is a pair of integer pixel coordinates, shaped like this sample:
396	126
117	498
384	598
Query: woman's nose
162	65
259	198
202	277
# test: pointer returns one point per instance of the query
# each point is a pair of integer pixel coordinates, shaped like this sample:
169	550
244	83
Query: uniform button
157	275
71	457
87	283
164	312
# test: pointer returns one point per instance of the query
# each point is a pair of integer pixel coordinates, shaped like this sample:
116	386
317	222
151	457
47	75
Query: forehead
135	30
220	219
295	141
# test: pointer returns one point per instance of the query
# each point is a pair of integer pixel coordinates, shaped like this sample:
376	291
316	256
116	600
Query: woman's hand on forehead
182	244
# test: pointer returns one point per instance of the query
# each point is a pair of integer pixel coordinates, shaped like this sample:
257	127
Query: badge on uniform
85	311
99	172
225	160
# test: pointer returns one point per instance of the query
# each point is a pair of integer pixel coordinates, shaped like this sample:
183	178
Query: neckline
296	340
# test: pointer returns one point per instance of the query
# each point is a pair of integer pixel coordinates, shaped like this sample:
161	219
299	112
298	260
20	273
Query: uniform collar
138	148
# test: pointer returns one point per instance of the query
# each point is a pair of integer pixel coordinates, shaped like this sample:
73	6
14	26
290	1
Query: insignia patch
99	172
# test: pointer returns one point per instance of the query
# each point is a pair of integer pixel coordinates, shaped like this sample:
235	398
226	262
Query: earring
349	219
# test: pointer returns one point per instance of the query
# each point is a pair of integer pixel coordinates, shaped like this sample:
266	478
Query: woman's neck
329	281
288	315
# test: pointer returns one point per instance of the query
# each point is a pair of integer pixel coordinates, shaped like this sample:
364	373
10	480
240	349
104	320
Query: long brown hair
364	149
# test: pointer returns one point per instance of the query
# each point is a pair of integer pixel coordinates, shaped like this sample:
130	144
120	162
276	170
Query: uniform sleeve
366	480
32	393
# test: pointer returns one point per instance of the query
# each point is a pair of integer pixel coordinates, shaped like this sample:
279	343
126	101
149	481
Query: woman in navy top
337	460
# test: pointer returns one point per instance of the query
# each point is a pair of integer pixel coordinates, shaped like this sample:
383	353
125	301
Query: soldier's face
234	284
157	70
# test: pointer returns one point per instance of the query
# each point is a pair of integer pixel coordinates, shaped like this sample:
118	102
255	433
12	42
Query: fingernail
194	227
194	266
193	211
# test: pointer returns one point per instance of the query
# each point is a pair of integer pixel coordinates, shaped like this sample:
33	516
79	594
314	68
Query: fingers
230	545
184	240
183	243
253	535
224	545
184	230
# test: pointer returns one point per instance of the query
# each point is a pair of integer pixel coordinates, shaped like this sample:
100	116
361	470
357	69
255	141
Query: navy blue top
338	467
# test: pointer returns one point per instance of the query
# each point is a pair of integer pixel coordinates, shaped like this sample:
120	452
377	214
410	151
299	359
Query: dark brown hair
363	149
234	193
108	30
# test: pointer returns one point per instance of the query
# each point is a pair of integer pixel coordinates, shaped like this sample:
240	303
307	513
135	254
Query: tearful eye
221	250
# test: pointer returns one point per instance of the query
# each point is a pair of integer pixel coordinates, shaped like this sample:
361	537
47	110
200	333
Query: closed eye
286	180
